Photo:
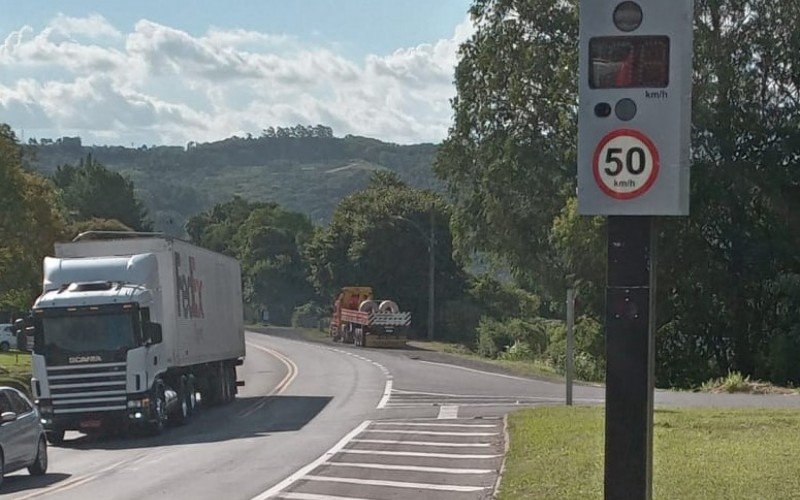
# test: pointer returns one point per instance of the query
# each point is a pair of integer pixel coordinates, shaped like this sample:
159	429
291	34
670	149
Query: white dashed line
290	495
448	412
387	392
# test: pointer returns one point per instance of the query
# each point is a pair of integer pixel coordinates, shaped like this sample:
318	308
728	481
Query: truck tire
191	393
39	465
55	436
232	381
183	412
156	427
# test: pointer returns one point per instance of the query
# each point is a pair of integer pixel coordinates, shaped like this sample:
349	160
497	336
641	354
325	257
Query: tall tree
268	242
90	190
379	237
29	225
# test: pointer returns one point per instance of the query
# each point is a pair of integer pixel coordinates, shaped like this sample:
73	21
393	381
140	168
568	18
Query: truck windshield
83	334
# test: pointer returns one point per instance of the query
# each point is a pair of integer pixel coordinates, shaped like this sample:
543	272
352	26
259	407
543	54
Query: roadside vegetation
15	370
698	453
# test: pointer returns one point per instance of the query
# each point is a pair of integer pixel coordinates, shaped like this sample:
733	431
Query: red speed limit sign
625	164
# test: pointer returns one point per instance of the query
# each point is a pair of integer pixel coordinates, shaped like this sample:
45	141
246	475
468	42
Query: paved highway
321	422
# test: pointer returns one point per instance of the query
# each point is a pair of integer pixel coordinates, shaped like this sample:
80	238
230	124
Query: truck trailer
359	319
128	331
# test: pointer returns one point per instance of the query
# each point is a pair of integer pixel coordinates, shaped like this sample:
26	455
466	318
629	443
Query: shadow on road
22	482
246	418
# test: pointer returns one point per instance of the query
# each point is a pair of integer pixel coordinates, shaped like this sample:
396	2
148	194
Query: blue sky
161	72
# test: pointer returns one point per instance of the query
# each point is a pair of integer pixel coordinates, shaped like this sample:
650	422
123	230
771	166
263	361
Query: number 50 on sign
626	164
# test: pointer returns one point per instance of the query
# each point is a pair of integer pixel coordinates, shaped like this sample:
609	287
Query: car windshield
82	334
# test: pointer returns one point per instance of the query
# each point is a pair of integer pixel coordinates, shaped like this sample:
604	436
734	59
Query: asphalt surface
321	421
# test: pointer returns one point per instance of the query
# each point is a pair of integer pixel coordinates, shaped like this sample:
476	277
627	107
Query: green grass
698	453
15	370
536	369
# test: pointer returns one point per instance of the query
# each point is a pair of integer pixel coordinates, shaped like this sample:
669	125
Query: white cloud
158	84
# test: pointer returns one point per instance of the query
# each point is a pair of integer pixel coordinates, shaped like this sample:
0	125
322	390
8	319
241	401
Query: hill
304	169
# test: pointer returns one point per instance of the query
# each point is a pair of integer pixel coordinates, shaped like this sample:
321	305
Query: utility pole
570	342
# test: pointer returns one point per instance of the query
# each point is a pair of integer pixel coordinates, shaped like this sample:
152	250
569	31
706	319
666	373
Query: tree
29	225
90	190
268	242
510	158
378	237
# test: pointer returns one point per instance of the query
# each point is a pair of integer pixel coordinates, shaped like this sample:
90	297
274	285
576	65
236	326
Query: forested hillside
304	169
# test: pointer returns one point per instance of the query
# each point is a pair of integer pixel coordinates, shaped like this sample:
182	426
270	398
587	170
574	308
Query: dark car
22	439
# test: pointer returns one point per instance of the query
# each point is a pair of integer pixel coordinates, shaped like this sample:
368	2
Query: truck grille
87	388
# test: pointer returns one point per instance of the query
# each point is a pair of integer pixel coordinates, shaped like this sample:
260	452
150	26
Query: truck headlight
45	407
139	403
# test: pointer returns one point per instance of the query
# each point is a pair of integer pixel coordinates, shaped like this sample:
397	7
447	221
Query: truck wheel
55	436
225	383
232	382
160	411
182	413
39	465
191	393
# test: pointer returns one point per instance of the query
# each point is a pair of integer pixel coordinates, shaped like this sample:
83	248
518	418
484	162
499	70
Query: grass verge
15	370
698	453
535	369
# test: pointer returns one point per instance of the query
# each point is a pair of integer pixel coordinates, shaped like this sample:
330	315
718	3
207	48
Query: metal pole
629	354
431	271
570	342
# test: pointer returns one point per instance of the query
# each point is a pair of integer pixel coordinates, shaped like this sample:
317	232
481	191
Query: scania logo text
84	359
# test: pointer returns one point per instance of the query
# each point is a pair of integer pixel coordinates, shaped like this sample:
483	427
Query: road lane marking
433	433
291	374
397	484
313	465
413	454
412	468
291	495
423	443
387	392
448	412
434	424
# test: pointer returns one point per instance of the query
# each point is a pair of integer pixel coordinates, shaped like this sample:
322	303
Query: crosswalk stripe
423	443
397	484
414	454
433	433
412	468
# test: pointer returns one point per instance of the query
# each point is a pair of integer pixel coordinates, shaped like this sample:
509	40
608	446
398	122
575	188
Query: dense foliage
727	274
268	242
379	237
30	223
91	191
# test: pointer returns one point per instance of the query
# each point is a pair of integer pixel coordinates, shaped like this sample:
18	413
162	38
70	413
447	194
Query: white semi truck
128	331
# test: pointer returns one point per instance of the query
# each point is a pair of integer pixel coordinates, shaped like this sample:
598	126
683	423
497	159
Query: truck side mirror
153	334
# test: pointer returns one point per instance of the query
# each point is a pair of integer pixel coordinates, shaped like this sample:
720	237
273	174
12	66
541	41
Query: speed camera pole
634	129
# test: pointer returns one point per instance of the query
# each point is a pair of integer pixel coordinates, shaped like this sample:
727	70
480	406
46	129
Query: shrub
529	337
308	315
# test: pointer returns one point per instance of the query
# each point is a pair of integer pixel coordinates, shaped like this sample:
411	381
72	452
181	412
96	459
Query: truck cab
97	346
